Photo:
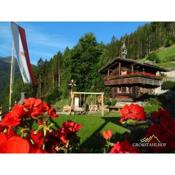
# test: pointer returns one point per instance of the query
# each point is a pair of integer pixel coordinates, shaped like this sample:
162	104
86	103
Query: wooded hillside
82	62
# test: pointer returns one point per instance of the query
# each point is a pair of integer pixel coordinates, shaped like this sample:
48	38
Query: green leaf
134	122
18	131
35	125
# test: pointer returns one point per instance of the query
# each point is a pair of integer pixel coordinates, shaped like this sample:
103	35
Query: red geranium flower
163	128
38	138
107	134
71	127
52	113
64	139
18	111
32	102
33	110
10	120
46	106
65	133
55	140
133	111
37	111
10	132
40	122
3	139
14	144
34	106
36	150
162	114
123	147
62	135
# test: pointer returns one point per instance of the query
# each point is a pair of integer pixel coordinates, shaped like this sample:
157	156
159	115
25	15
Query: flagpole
11	77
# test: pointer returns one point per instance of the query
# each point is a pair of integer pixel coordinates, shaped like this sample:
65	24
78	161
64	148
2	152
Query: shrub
154	57
113	102
107	101
168	85
169	41
59	104
53	96
152	105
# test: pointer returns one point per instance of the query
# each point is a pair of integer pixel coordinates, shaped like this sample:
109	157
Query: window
124	72
127	89
123	89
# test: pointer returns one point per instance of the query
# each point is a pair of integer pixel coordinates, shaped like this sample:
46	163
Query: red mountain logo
149	139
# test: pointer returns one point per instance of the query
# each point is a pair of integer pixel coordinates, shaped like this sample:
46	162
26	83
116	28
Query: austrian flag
20	46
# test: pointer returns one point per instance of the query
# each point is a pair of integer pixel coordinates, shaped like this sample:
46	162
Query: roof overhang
131	61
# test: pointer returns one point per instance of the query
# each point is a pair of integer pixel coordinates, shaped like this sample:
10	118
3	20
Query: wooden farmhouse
131	79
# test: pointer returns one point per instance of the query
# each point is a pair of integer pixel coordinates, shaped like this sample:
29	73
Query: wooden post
143	70
119	68
102	105
132	68
71	95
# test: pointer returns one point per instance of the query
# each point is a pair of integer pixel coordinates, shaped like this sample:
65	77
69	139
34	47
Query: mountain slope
5	72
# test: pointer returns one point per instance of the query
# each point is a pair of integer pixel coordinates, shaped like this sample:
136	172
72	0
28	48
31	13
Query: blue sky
47	38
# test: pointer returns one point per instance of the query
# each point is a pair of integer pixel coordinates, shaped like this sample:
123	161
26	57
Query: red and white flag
20	46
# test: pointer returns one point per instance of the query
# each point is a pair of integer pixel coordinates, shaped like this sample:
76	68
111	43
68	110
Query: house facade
128	78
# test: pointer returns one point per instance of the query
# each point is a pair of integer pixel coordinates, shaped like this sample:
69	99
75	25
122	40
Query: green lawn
92	127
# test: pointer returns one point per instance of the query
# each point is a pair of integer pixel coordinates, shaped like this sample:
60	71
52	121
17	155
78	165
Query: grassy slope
167	56
167	53
92	127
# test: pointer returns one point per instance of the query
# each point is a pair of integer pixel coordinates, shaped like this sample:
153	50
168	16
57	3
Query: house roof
131	61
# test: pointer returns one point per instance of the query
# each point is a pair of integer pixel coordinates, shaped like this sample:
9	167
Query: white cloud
40	42
42	38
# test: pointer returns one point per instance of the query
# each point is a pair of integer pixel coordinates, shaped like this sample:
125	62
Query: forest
82	62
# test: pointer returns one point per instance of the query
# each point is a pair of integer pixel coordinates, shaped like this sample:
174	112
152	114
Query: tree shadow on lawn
95	143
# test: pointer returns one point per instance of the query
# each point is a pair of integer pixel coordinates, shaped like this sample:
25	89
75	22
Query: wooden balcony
133	80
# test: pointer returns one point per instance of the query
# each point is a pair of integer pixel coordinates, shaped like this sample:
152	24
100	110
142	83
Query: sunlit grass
92	127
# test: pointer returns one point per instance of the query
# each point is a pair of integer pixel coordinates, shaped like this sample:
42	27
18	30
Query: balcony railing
134	74
130	79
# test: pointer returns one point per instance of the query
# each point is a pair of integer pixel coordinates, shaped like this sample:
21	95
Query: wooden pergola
89	93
